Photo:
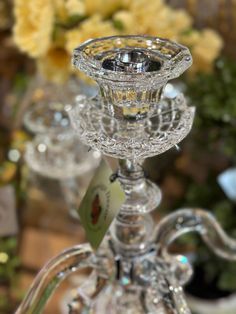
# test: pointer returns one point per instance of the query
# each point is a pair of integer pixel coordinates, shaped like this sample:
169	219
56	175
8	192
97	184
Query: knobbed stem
194	220
131	231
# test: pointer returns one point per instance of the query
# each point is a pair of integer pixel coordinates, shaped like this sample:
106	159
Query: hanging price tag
100	204
8	220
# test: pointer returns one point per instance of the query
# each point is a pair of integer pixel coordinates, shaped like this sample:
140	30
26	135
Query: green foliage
8	246
213	136
9	263
70	22
118	25
214	96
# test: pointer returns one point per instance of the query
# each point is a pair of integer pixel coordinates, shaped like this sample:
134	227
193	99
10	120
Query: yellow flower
75	7
33	26
60	10
92	27
55	65
102	7
155	18
169	23
125	4
162	24
127	20
145	13
74	38
181	20
190	38
206	51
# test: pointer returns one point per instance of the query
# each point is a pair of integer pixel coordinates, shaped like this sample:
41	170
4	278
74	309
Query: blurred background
43	176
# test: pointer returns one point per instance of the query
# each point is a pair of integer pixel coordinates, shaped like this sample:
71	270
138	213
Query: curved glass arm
200	221
51	275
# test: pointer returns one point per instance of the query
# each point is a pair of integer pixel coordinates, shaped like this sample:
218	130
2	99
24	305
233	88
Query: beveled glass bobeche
131	119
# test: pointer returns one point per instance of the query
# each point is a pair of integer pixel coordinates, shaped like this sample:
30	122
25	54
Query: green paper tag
100	204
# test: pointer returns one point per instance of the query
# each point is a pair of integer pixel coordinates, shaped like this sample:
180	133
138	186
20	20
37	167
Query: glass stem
131	231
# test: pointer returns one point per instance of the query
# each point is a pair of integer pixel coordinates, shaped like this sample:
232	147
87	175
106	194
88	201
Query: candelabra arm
194	220
51	275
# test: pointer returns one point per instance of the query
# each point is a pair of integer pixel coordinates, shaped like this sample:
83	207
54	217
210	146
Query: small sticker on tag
227	181
8	219
100	204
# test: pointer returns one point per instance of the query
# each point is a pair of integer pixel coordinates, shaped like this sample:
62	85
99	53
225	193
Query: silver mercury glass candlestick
131	119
